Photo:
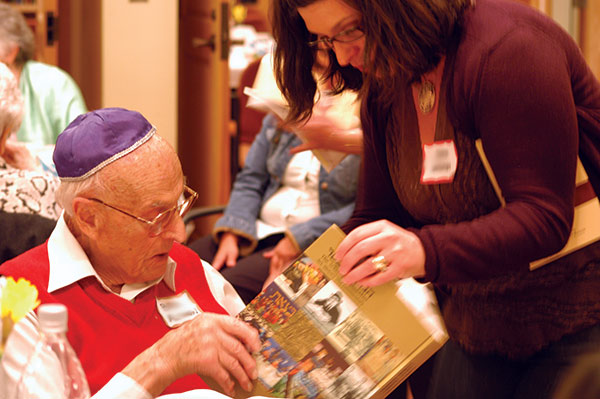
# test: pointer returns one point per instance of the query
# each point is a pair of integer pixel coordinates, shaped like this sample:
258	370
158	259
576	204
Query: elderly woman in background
28	209
52	98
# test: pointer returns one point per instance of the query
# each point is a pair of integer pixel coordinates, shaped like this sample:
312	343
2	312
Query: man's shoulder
31	265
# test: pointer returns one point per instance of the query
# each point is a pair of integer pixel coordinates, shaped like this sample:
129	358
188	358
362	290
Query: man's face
125	251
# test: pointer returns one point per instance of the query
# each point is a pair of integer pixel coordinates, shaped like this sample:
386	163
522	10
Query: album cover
324	339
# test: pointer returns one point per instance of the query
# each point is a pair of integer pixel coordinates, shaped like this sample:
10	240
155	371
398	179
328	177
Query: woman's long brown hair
403	40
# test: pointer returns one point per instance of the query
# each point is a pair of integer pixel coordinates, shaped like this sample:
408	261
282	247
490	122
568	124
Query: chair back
250	120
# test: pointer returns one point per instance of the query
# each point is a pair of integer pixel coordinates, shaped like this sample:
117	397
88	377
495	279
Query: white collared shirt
68	263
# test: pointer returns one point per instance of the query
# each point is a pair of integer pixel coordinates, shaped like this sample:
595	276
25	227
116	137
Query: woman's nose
344	52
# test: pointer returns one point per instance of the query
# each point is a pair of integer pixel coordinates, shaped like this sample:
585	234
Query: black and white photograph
329	307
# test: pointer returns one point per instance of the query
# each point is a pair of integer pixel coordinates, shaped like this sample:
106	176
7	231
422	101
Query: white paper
420	299
329	159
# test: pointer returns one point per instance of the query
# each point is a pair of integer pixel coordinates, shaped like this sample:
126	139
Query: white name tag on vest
439	162
176	310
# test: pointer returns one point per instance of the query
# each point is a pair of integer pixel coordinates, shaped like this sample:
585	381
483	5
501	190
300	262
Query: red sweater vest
107	331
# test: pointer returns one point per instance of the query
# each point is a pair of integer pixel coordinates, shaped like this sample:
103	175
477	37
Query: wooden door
590	33
204	100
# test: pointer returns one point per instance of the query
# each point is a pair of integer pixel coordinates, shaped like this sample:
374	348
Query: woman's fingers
378	252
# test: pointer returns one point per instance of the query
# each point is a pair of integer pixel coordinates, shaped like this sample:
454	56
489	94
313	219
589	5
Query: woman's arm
525	115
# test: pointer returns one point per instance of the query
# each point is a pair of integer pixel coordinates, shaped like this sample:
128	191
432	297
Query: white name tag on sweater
176	310
439	162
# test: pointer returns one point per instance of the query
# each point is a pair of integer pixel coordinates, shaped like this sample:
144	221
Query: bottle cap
53	317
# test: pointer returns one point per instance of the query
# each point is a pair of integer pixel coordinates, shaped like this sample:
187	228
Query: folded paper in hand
329	158
340	111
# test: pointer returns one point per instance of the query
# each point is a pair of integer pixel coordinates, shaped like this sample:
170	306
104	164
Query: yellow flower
239	12
16	300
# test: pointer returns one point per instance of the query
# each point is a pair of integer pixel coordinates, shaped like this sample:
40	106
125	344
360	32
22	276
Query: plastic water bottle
53	370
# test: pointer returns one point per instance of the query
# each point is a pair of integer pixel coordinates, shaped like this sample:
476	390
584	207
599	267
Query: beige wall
139	60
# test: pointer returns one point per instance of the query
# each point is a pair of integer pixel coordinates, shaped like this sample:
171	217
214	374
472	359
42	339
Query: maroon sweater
519	82
107	331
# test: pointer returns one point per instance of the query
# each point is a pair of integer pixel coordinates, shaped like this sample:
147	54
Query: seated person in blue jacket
281	201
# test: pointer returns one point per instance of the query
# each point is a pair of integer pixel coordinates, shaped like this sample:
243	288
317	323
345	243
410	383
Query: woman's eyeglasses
160	221
345	36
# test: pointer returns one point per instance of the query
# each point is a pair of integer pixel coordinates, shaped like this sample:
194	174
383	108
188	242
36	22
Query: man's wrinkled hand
217	346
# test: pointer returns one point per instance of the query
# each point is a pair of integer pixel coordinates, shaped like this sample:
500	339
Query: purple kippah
97	138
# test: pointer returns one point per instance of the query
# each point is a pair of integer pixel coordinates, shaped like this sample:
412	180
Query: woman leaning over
435	76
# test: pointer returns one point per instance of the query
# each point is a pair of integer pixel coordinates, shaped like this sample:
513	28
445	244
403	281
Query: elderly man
141	305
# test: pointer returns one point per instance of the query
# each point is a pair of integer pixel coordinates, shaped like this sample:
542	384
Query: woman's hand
282	255
228	251
402	250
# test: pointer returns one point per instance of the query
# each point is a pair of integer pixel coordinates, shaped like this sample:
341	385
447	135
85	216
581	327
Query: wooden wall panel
590	34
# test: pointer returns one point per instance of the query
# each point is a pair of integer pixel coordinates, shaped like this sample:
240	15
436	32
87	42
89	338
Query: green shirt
52	100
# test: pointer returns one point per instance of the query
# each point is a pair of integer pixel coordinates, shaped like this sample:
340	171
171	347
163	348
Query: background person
52	98
28	209
114	256
23	188
283	198
280	203
436	76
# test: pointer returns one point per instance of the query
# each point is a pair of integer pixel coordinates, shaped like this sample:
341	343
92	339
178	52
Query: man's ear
85	212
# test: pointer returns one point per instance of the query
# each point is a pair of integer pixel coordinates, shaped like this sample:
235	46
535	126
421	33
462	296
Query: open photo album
322	338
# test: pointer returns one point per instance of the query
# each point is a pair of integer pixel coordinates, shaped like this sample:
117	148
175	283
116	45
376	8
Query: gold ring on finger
381	264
